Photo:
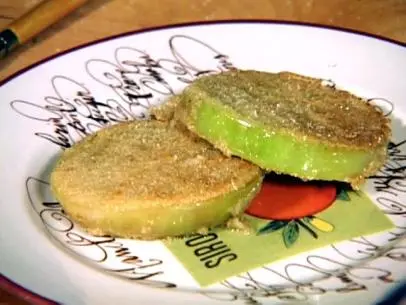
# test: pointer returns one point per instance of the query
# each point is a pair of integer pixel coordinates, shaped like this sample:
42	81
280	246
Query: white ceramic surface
53	104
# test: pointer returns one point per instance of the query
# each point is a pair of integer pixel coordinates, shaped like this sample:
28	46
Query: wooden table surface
101	18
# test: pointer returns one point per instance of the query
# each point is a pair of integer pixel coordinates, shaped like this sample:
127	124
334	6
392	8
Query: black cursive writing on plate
132	82
390	181
107	252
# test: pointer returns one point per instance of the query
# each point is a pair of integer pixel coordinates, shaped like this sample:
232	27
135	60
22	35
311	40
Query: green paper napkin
223	253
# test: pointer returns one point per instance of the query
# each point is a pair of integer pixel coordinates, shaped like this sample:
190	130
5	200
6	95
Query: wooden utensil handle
42	16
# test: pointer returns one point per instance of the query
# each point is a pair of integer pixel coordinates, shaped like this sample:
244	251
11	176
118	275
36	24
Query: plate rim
28	295
24	293
200	23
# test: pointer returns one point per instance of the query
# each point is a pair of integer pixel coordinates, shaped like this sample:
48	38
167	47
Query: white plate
38	105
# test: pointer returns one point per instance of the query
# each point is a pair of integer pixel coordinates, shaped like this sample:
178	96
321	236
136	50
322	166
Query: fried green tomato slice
287	123
151	180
